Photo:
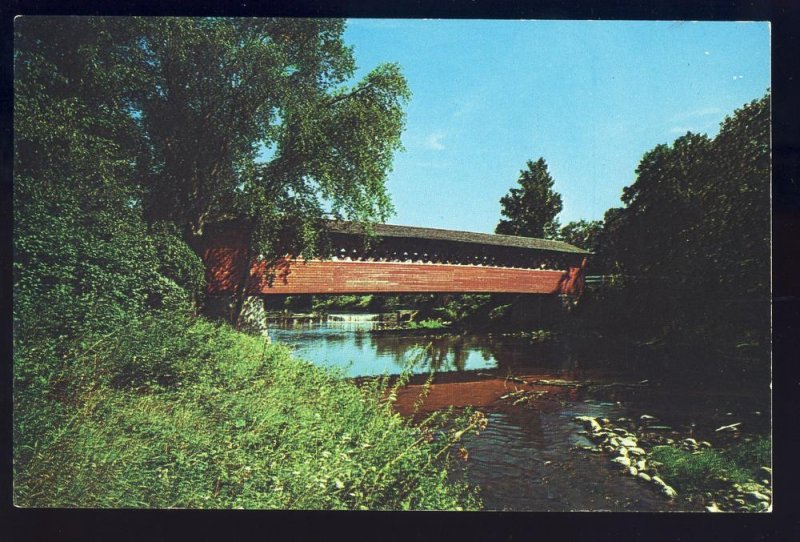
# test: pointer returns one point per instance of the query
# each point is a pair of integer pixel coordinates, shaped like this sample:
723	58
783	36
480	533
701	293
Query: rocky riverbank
638	450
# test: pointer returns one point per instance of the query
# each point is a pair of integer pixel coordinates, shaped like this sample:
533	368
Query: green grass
752	455
211	418
709	469
428	323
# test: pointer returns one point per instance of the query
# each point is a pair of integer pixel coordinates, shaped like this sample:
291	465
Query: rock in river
756	496
665	489
590	423
731	427
622	460
668	491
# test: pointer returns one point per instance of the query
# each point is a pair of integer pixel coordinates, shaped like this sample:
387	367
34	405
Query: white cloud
737	77
707	53
434	141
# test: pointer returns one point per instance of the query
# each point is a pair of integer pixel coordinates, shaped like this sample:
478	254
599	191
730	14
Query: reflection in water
349	344
526	458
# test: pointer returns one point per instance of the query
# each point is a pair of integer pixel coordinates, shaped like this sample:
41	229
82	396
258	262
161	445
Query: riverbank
188	414
633	460
734	478
531	385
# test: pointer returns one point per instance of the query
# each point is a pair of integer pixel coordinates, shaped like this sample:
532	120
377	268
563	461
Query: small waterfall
353	317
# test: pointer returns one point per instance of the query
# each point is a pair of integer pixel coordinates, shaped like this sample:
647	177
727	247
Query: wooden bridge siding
356	277
342	277
223	257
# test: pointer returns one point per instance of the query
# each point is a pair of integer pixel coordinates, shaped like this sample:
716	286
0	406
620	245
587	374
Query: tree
531	210
693	238
255	120
83	255
582	233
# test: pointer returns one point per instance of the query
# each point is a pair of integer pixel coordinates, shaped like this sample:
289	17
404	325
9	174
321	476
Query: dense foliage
692	243
531	209
83	253
203	120
130	135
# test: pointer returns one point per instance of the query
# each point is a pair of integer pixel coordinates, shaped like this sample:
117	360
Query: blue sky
590	97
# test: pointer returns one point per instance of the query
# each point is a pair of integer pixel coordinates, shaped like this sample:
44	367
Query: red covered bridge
401	259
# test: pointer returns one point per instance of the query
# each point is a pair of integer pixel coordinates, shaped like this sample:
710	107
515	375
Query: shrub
428	323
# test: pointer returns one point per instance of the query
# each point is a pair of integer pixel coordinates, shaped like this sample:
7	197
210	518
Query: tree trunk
242	287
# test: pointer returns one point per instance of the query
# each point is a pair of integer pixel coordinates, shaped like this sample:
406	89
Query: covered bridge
400	259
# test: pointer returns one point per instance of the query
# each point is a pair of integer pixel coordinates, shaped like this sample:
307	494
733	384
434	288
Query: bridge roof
389	230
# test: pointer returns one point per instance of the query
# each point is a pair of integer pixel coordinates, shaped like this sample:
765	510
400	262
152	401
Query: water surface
527	459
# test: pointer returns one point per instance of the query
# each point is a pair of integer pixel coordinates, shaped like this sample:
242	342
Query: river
526	459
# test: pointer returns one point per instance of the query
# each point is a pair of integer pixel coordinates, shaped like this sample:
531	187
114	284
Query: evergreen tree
531	209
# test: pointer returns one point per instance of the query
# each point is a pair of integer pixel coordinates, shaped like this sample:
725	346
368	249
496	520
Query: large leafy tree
693	237
206	120
255	119
531	209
